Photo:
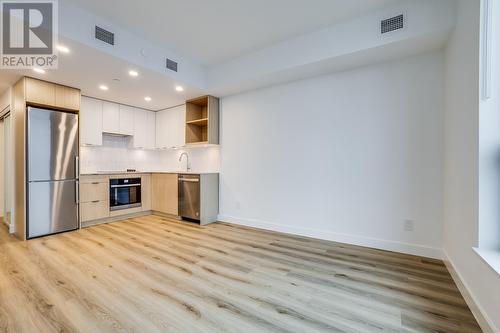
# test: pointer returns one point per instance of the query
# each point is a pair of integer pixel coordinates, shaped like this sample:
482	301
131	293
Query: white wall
116	154
346	45
461	164
5	100
346	157
489	146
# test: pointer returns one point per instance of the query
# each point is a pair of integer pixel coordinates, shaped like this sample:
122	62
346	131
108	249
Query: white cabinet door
180	126
90	122
126	120
170	120
110	117
140	129
171	128
162	129
150	130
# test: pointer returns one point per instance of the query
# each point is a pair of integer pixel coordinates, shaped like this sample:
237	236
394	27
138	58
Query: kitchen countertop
110	173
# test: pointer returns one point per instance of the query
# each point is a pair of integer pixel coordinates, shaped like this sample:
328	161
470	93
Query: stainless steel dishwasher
189	196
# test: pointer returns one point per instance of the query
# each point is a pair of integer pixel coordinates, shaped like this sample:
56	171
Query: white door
110	118
91	122
8	174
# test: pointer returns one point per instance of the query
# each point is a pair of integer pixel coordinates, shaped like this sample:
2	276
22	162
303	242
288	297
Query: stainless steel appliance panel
125	193
52	207
52	145
189	196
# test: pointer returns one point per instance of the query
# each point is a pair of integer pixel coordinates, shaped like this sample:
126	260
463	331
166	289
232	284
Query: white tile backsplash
116	153
201	159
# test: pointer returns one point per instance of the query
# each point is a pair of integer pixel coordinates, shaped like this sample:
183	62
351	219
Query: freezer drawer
53	207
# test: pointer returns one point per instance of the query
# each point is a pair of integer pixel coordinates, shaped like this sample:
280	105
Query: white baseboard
482	319
389	245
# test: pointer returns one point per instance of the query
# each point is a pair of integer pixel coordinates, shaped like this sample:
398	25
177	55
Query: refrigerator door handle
77	167
77	193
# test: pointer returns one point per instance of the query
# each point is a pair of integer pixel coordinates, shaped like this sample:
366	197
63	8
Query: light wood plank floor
151	274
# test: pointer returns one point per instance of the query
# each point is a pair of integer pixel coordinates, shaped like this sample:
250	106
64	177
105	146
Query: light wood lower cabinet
146	192
94	191
94	210
164	193
94	198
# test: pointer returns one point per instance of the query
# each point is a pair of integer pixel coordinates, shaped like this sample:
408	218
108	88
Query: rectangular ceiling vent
104	35
392	24
172	65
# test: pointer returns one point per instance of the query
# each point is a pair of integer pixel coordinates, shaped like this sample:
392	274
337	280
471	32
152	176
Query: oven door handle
129	185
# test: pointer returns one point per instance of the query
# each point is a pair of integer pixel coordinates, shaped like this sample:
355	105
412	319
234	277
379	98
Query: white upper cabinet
117	118
170	131
178	127
161	129
126	120
144	129
140	128
90	122
150	130
110	118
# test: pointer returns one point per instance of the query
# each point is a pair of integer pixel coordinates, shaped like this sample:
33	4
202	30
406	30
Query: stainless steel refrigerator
52	172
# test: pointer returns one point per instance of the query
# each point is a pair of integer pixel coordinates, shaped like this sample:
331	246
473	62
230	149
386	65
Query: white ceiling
87	68
215	31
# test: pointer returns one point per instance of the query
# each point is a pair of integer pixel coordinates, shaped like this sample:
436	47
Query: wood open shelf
198	122
202	120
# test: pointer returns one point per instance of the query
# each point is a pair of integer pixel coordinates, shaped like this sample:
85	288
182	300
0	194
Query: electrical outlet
409	225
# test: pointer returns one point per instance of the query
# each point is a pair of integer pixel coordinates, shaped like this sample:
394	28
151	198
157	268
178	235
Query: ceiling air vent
392	24
172	65
104	35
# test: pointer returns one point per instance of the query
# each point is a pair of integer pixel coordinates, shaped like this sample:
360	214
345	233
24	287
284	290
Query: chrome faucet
188	167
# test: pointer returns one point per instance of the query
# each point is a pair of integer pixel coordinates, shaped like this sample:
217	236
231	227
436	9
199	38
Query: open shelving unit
202	120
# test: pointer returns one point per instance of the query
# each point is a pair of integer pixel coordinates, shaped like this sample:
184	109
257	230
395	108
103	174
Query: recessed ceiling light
133	73
103	87
63	48
179	88
147	99
39	70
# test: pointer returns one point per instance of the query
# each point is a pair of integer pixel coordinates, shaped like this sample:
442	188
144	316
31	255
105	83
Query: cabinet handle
95	183
95	201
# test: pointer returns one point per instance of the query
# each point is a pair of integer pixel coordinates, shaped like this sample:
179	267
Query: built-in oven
124	193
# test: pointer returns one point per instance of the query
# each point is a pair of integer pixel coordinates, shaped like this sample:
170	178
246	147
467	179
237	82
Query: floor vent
104	35
392	24
172	65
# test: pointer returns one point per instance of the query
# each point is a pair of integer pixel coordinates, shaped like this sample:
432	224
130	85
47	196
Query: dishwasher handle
189	180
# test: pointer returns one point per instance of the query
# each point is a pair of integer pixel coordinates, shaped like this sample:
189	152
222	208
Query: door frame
4	114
